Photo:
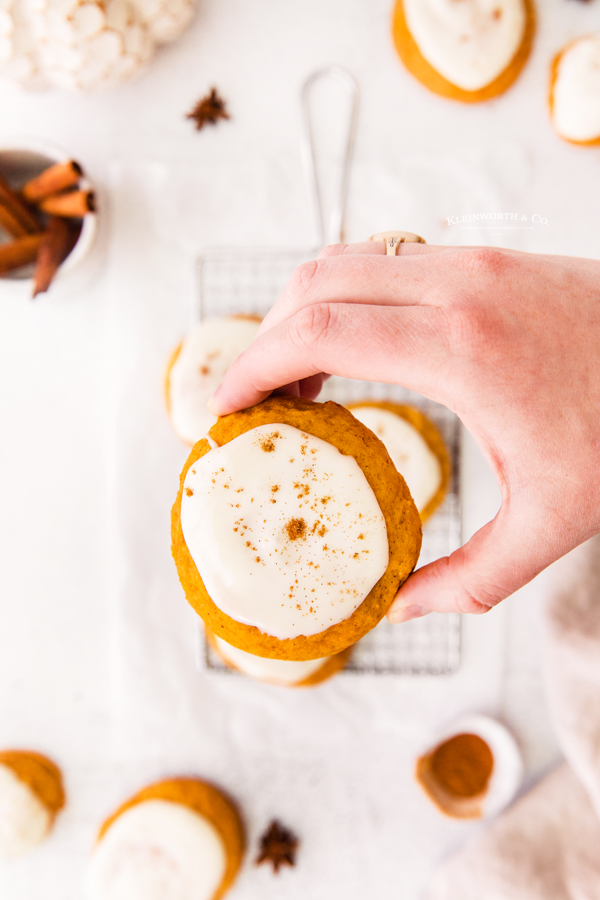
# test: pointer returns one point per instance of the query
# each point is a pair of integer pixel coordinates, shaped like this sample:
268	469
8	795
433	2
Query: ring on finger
393	239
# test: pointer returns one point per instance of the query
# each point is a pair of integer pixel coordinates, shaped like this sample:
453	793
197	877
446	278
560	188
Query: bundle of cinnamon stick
44	220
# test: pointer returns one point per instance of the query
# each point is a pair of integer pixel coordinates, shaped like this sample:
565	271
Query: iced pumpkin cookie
292	530
416	447
182	839
196	369
282	672
470	50
31	794
575	91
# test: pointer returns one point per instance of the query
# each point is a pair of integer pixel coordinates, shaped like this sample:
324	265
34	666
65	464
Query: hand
509	341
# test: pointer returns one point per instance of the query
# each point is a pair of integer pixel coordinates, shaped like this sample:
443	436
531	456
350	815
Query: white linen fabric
546	847
334	763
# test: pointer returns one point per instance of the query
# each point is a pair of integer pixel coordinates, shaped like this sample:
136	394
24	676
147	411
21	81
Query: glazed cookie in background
292	673
31	794
292	530
181	838
470	50
575	91
416	447
197	367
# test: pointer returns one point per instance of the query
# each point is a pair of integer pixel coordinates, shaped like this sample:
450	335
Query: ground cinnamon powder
296	528
462	765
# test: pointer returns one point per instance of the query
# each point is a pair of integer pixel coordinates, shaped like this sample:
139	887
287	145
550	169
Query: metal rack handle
331	229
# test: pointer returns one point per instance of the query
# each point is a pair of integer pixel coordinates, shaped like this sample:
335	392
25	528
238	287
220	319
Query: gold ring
393	239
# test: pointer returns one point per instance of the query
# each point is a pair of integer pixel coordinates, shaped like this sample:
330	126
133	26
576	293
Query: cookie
575	91
292	529
196	369
416	447
180	838
291	673
31	795
470	50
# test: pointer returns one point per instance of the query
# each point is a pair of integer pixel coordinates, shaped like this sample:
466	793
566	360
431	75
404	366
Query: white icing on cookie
276	671
576	92
469	42
24	819
285	531
157	850
205	355
409	451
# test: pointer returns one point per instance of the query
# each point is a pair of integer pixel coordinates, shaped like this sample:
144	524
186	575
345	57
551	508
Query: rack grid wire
249	281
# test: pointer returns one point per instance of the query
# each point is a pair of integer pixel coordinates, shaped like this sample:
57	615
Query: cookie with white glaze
416	447
197	367
289	673
181	838
31	795
292	529
472	50
575	91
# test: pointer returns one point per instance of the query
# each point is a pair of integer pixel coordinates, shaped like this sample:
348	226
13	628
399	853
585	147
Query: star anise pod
209	110
277	846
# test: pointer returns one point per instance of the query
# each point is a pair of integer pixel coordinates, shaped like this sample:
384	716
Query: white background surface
334	764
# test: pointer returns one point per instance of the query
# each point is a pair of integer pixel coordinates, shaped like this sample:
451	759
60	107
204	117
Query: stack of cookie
296	522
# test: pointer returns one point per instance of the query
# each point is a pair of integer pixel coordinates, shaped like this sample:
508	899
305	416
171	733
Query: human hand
509	341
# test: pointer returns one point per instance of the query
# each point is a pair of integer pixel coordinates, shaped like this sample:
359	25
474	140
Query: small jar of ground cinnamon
456	775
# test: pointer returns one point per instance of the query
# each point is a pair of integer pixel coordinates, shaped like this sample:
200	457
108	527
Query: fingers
499	559
309	388
377	248
405	344
376	279
407	248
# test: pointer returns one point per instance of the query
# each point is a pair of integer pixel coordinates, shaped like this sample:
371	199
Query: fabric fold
547	845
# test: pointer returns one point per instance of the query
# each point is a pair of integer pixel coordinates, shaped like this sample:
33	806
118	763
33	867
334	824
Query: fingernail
213	399
401	614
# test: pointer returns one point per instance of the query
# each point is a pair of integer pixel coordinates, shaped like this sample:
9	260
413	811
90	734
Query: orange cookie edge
432	437
40	773
402	521
207	800
554	67
423	71
330	667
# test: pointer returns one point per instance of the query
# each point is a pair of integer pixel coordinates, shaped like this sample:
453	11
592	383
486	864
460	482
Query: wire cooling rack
250	281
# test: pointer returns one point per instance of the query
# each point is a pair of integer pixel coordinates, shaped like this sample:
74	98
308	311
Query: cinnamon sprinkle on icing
296	528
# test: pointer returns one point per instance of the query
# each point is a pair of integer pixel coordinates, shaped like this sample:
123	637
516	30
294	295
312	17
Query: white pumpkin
166	19
18	51
85	44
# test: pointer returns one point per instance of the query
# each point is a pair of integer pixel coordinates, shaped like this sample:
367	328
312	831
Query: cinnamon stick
51	181
59	239
73	204
10	223
19	252
17	208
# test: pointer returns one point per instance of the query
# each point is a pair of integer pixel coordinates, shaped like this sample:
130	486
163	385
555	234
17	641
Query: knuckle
314	325
302	279
467	602
484	260
474	595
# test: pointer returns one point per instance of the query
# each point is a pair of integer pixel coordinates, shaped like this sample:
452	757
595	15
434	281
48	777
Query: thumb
499	559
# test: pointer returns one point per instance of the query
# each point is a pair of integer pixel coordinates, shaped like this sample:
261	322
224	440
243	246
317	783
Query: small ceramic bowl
21	160
504	780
